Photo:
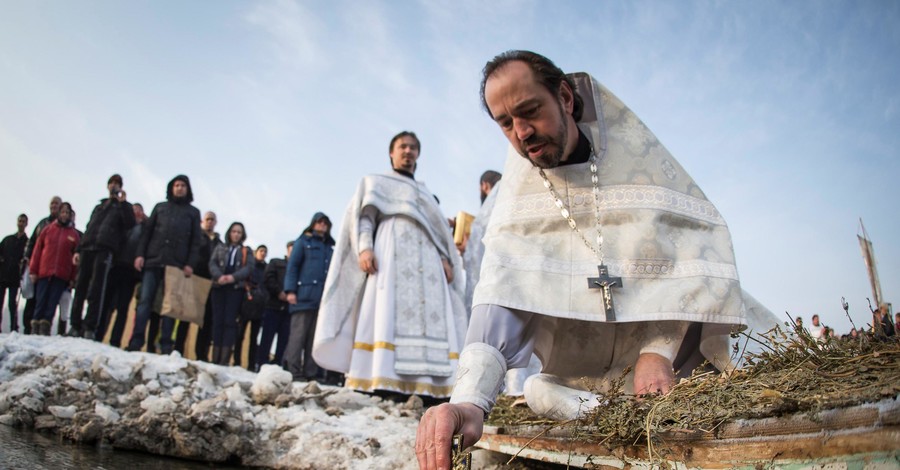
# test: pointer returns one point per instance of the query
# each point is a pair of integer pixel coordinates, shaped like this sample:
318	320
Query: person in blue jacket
303	284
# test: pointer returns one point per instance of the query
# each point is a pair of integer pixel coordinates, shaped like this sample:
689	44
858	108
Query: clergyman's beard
548	160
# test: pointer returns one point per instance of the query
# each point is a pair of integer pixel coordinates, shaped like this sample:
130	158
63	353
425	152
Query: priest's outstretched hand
438	426
653	374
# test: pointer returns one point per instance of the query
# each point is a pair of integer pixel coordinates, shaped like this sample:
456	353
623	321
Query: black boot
225	356
61	328
216	352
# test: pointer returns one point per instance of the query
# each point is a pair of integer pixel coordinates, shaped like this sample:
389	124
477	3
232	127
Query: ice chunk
270	382
63	412
106	413
158	405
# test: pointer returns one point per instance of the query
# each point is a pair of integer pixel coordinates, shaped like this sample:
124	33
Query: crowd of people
115	273
120	259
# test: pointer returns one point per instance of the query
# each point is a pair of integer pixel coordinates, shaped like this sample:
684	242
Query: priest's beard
548	159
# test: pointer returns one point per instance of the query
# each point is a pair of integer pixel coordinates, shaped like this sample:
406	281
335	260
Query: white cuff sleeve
480	374
366	231
664	338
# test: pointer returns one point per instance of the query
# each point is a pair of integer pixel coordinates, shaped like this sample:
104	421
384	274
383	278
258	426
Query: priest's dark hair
405	134
546	72
490	177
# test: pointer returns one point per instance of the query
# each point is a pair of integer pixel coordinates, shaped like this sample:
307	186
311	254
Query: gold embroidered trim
372	347
390	347
397	386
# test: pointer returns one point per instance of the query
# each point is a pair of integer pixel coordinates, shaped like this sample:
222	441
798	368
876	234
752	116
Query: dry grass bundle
793	374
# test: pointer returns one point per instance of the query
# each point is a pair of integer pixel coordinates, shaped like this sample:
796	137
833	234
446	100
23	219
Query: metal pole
108	263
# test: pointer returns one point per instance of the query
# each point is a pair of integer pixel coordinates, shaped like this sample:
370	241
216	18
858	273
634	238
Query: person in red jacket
52	267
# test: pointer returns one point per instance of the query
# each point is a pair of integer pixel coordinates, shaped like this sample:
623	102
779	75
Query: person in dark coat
51	267
252	310
209	241
170	238
122	280
106	231
30	303
230	266
276	319
304	281
12	254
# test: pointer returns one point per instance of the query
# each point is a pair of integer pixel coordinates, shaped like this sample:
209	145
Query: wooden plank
869	447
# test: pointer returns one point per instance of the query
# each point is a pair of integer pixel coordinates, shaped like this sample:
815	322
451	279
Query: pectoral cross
606	283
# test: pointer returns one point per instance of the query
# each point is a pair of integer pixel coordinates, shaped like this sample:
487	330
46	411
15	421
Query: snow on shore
87	391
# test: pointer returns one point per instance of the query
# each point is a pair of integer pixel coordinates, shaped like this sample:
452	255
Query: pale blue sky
786	113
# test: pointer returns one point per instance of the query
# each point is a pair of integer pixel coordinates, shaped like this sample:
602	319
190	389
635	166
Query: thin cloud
295	30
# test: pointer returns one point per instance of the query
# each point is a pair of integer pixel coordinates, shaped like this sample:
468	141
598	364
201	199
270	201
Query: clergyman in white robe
400	329
680	299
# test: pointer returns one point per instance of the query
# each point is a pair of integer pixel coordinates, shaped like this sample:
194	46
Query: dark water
28	450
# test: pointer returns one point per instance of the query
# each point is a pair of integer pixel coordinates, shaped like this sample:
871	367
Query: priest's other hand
438	426
367	262
653	374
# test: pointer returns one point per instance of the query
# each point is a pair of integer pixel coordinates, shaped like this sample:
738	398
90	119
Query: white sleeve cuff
480	374
366	232
664	338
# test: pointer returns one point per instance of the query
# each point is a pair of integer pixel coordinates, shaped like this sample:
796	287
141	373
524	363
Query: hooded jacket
53	252
172	234
308	267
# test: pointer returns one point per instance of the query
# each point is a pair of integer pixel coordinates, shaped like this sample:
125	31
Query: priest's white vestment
667	242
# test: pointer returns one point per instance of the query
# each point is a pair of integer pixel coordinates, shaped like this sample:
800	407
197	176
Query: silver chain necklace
598	249
604	281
